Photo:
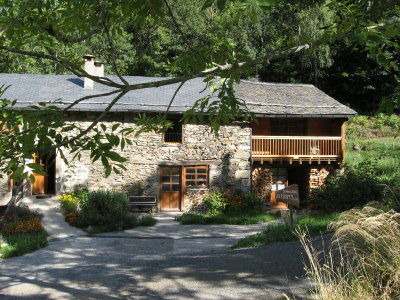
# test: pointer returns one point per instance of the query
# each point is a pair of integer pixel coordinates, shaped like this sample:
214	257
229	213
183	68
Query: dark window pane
175	187
202	176
165	179
175	171
190	176
190	183
173	138
175	179
174	133
282	171
166	187
282	178
202	183
165	171
201	170
191	170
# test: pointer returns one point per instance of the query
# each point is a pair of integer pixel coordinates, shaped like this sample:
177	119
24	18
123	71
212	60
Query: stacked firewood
262	179
318	177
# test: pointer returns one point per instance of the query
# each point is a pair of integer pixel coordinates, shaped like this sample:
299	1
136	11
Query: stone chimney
90	69
98	69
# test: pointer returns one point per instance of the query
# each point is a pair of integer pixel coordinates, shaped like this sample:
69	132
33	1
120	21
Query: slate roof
272	99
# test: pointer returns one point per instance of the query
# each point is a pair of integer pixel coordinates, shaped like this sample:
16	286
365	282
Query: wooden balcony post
343	141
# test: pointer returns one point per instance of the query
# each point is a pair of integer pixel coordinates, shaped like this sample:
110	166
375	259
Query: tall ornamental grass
364	261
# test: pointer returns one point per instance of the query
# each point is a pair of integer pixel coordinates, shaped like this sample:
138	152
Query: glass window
173	135
196	176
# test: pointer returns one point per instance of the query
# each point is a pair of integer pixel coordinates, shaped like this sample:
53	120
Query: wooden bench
142	201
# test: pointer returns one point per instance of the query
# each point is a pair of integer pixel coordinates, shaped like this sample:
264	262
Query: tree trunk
16	195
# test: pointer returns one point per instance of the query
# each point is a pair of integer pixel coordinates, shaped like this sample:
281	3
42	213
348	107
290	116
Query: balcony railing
297	147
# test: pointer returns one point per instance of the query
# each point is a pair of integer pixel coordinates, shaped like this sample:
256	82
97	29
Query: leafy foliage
220	201
107	209
225	38
355	187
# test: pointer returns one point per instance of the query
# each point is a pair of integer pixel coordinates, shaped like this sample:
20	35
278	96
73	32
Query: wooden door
170	188
279	181
39	186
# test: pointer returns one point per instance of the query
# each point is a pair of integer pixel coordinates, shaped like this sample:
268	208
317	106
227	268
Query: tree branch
91	126
50	30
16	19
173	97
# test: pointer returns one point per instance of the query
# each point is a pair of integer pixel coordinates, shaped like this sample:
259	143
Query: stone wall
193	200
227	155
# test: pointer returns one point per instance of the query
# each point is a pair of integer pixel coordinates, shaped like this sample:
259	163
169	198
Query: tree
56	34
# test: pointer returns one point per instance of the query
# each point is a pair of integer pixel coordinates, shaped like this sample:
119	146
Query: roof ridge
277	83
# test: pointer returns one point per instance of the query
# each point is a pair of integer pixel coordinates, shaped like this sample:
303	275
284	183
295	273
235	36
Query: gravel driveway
161	262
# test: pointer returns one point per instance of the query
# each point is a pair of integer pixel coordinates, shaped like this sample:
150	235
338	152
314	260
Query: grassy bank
376	140
314	224
245	219
23	243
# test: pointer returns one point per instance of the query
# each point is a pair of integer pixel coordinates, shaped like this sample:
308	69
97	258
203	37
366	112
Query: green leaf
115	126
394	66
221	4
114	156
207	4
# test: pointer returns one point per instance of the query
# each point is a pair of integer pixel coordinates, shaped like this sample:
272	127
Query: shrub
81	194
357	186
23	212
69	203
220	201
107	209
146	221
216	201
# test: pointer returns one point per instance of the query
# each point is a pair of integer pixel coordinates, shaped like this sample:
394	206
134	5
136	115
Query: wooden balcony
298	148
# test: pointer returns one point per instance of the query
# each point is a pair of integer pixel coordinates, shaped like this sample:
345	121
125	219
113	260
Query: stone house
299	138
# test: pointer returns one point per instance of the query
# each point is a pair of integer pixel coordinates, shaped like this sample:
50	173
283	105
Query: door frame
45	178
180	189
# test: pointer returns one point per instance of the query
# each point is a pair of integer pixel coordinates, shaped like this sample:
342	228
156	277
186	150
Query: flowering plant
23	226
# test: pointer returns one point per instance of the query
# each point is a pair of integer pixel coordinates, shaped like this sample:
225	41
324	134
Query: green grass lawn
22	243
383	153
281	232
245	219
378	140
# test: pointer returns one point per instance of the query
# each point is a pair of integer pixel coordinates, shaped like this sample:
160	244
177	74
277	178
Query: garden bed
101	211
22	233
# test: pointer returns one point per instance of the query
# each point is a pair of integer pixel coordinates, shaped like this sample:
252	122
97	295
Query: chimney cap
88	56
